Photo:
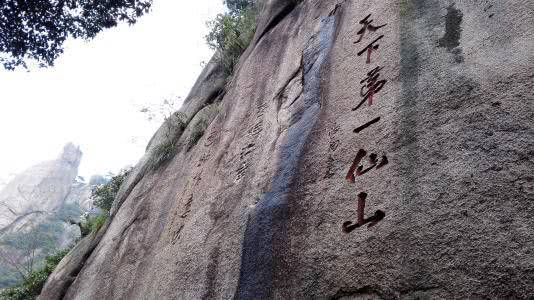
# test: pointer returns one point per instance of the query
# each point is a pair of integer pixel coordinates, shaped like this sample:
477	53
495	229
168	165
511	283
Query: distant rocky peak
71	154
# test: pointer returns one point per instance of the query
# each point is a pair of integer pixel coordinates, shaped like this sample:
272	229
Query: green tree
236	6
23	250
35	30
103	195
30	287
231	33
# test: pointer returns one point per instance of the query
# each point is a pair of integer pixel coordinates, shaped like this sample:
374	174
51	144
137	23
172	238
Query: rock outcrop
439	116
40	204
41	189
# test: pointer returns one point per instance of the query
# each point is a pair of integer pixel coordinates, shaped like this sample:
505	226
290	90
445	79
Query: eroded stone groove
256	278
278	18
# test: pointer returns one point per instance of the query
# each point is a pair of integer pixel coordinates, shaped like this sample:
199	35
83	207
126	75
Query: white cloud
92	96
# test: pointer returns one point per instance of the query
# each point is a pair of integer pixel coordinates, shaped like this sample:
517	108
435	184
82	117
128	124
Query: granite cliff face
39	204
41	189
321	100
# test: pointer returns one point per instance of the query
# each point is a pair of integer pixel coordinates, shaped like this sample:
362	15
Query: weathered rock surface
255	209
5	180
40	204
41	189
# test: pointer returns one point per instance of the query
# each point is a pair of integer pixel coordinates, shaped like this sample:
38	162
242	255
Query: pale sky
93	94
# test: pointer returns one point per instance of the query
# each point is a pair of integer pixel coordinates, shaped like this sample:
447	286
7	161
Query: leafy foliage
98	221
174	123
231	32
36	30
166	149
164	152
30	287
69	211
197	131
94	223
103	195
236	6
22	251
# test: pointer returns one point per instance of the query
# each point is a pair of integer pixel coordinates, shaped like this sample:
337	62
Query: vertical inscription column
371	85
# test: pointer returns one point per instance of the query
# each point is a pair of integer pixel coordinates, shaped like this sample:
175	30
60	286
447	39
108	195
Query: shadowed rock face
255	209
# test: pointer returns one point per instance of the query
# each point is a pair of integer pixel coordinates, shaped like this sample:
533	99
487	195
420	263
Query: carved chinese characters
371	84
355	170
366	26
